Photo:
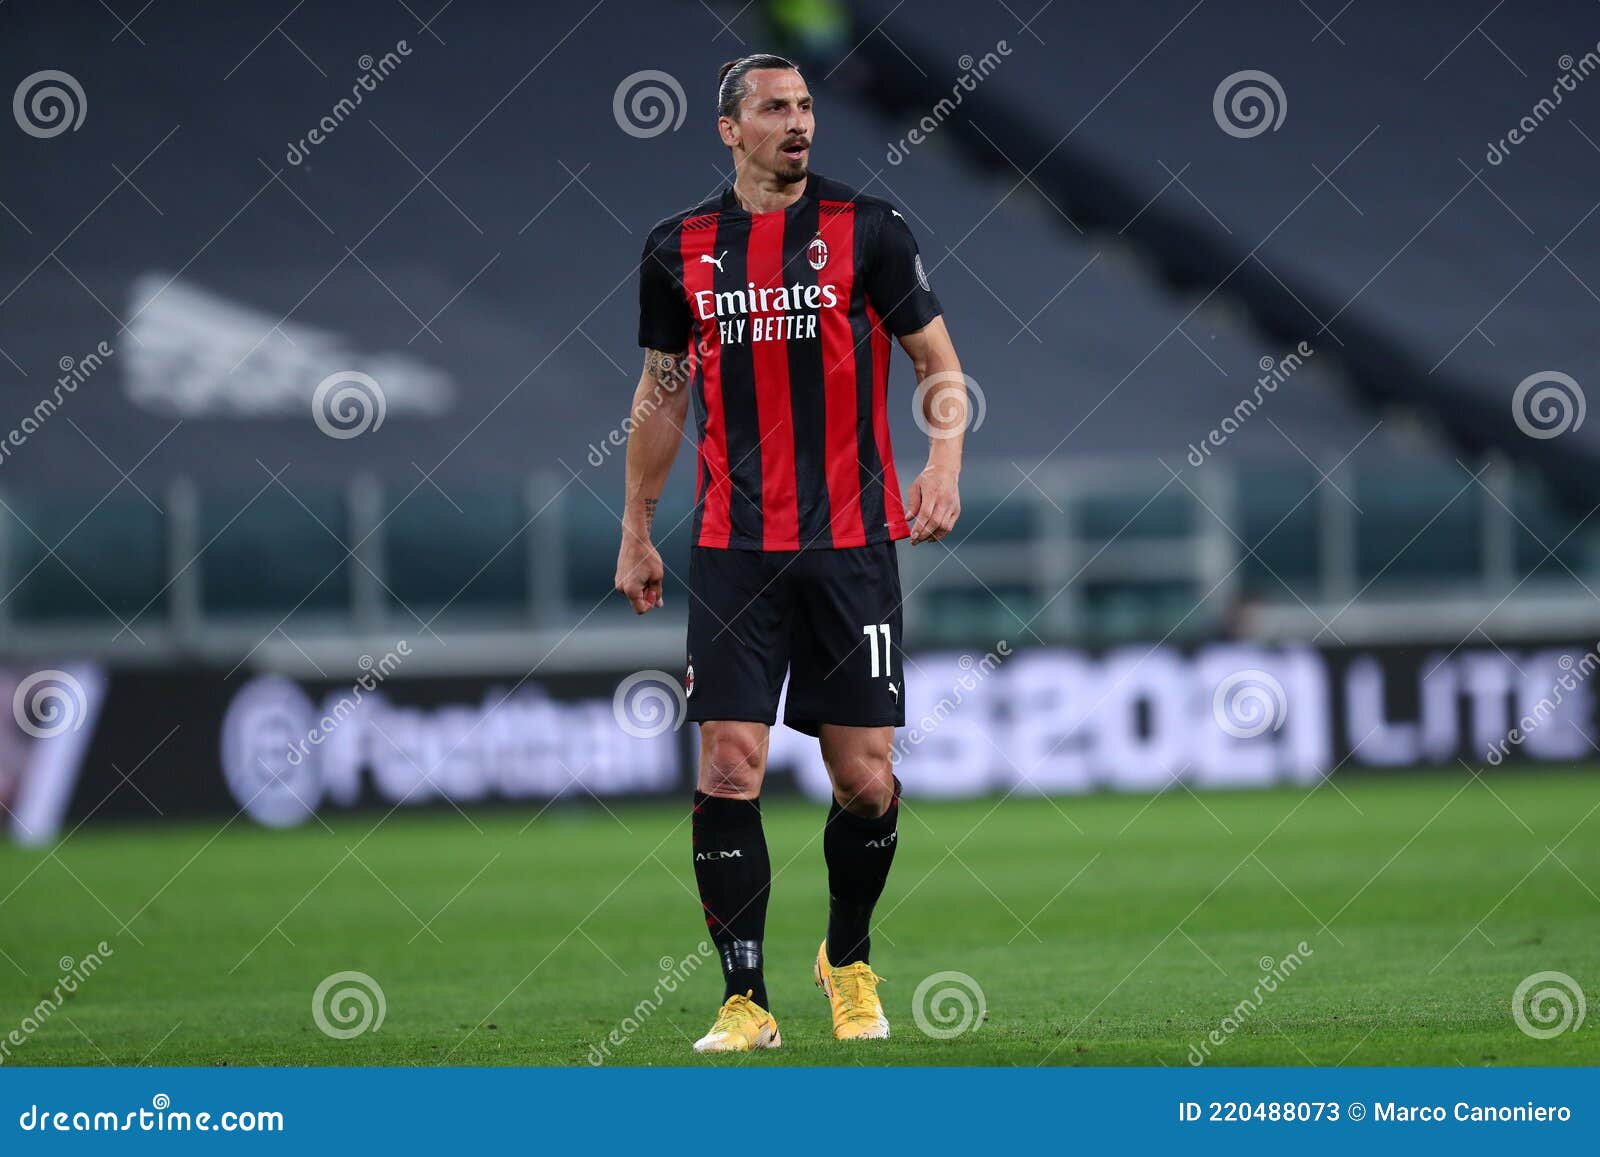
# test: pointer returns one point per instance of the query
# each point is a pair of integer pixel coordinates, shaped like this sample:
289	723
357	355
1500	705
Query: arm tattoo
650	513
671	370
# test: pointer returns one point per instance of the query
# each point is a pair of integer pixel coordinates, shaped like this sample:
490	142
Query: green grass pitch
1104	930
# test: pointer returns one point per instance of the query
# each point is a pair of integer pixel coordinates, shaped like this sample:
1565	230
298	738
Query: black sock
859	851
734	874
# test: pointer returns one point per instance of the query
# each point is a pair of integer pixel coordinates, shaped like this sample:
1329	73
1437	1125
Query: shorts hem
694	716
812	726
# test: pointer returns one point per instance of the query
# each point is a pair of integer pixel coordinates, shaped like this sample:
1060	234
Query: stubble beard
791	174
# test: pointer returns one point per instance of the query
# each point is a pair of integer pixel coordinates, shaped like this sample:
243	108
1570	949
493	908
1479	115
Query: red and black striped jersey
786	317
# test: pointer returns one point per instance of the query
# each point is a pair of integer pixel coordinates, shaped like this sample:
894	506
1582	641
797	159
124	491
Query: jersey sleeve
663	311
897	284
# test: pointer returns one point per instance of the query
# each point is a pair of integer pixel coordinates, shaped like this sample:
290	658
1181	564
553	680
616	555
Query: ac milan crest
817	253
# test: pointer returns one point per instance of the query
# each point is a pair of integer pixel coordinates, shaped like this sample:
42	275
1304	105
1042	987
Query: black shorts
830	618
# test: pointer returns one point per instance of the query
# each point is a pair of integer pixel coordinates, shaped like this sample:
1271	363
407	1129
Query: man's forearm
659	403
944	409
942	393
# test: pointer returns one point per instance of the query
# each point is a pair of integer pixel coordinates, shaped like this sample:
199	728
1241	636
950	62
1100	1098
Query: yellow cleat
853	992
741	1025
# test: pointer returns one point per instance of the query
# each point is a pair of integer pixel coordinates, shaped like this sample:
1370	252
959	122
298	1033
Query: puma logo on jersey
734	854
707	259
895	691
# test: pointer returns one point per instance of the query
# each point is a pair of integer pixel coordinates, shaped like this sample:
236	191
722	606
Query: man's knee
733	758
863	773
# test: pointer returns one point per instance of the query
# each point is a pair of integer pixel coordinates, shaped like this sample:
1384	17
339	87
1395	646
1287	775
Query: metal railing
1095	551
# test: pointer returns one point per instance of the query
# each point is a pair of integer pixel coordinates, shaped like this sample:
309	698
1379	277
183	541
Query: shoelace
735	1010
856	988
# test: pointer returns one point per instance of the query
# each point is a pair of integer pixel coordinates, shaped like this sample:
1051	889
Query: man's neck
765	194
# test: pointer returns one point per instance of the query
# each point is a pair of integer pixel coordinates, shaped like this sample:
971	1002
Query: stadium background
1279	320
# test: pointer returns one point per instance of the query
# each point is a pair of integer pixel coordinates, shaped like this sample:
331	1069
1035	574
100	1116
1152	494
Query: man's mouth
794	150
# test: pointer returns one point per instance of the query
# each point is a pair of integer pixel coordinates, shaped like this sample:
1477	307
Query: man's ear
728	129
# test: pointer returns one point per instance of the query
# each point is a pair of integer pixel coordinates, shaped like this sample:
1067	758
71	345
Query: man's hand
639	572
934	503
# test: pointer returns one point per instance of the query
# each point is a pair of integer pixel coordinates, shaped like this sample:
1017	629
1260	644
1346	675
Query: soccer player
772	305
